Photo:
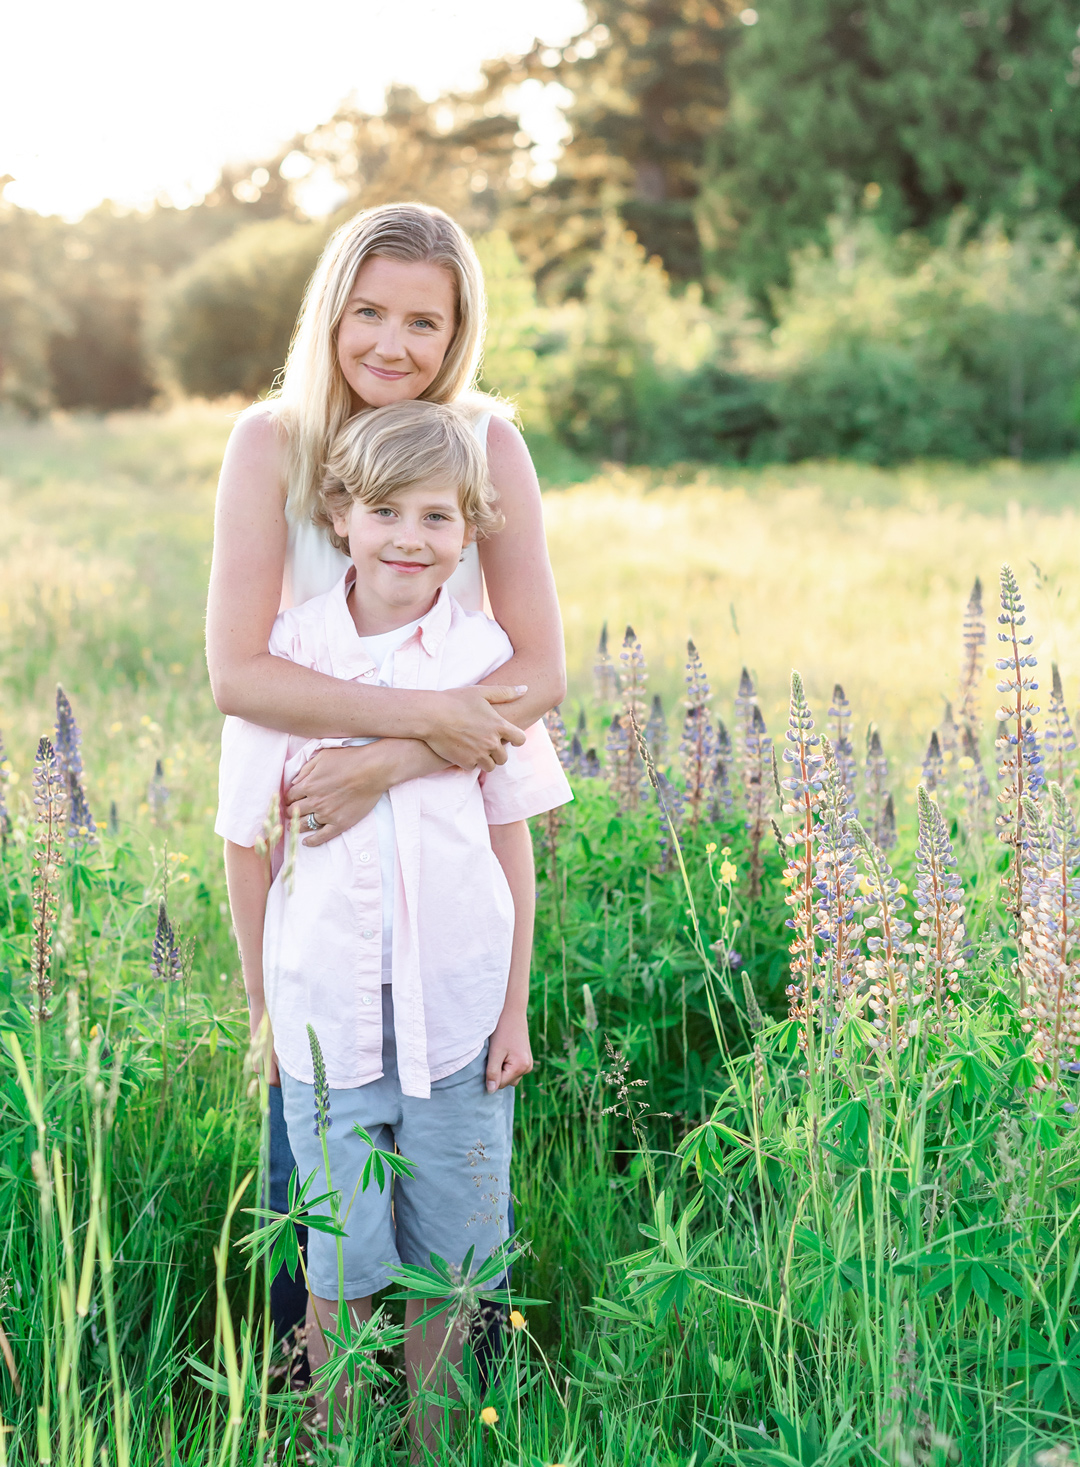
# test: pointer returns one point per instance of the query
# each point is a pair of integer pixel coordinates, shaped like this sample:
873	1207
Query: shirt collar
347	653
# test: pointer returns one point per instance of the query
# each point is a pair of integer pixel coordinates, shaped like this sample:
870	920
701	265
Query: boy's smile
404	548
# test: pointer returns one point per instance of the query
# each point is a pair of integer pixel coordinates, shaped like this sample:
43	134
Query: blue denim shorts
459	1143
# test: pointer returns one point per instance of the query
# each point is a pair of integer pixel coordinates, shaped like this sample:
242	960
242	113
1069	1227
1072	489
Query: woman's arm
520	585
247	875
250	535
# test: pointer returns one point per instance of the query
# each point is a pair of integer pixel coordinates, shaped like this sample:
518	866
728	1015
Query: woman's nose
390	345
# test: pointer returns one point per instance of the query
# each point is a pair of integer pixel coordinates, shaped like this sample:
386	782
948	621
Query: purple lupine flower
166	961
933	768
50	803
553	722
840	726
746	700
656	731
1050	934
839	961
889	992
877	793
1016	743
82	829
605	683
939	911
971	668
757	782
1059	740
698	745
802	794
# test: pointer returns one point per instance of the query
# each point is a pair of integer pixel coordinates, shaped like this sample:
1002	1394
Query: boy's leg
288	1296
427	1351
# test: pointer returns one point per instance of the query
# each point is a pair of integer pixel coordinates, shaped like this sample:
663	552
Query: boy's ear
341	525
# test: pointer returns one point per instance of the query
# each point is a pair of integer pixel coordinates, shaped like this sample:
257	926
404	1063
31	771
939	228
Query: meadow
826	1227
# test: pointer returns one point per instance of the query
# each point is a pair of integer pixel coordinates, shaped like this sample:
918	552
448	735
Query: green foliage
511	367
226	320
889	351
932	105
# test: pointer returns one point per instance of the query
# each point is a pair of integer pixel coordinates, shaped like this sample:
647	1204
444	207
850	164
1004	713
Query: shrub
225	322
886	350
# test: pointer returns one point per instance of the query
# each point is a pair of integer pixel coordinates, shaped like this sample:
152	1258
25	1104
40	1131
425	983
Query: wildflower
321	1087
1019	768
721	801
836	883
972	663
746	701
157	795
710	848
884	966
948	735
627	771
489	1416
698	745
939	911
575	759
517	1319
553	722
50	804
68	742
1049	935
621	764
803	790
591	767
605	683
728	872
1059	739
656	731
933	768
840	716
673	804
758	757
882	819
166	961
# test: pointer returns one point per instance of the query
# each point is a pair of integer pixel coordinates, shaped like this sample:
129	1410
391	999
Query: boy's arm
248	876
509	1051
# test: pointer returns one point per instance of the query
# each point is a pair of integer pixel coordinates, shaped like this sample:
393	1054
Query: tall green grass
761	1253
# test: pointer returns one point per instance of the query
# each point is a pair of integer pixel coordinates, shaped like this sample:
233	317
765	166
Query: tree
919	104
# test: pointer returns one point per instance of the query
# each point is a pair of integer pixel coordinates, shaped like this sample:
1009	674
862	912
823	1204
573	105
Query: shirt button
368	932
366	998
365	855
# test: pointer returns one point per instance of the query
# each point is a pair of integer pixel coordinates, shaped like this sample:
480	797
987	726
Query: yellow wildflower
489	1415
728	872
726	851
517	1319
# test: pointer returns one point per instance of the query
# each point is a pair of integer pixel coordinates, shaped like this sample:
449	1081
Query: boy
405	942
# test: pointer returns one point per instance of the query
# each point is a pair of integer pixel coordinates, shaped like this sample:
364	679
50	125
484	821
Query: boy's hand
509	1052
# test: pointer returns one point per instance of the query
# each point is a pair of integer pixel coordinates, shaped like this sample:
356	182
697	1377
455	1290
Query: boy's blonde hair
387	449
314	399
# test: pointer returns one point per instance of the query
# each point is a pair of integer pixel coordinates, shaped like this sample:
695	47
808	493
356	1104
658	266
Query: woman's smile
385	373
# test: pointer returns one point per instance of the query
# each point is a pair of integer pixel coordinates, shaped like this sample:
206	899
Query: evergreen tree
919	105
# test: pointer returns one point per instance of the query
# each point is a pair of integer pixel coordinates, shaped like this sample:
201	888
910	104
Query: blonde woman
394	311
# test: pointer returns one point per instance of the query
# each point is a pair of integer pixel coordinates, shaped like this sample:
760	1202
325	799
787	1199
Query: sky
129	99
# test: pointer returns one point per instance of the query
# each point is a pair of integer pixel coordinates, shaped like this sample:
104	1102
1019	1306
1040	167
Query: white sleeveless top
313	566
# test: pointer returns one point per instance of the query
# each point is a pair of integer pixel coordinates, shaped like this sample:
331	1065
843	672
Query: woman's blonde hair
314	399
386	449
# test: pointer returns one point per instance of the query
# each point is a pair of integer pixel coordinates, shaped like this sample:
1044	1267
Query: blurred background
712	233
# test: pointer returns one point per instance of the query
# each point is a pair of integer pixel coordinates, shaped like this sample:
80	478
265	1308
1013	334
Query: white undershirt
381	649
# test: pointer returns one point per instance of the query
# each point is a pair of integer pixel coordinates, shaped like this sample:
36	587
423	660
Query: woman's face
395	330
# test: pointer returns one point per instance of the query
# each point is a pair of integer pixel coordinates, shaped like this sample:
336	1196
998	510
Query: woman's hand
509	1051
341	786
467	730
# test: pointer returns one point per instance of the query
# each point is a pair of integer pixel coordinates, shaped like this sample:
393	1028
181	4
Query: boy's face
404	547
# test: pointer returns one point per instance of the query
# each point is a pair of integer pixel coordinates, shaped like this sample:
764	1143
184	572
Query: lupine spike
1050	927
1059	739
576	764
836	882
630	779
553	722
840	724
976	786
698	746
746	700
50	802
656	731
971	667
933	769
939	949
68	740
166	960
889	995
605	683
157	795
802	790
1018	769
672	799
757	763
321	1087
591	767
877	792
624	768
721	799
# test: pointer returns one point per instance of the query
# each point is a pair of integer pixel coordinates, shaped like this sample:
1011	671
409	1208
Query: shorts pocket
474	1070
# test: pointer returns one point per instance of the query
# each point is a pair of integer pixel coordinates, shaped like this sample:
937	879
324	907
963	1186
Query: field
848	1237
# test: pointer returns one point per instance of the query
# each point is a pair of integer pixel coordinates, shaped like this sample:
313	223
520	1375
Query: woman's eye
424	322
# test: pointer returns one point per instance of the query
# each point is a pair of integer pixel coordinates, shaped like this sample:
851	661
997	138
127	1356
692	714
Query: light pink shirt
453	913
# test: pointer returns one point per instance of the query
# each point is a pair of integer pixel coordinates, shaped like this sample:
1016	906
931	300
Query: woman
395	310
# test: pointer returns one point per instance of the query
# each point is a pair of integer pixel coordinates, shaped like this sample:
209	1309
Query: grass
859	1256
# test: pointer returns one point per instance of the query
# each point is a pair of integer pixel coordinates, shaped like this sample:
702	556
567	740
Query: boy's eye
384	512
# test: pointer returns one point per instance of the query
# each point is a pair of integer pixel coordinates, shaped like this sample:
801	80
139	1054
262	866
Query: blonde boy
405	942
